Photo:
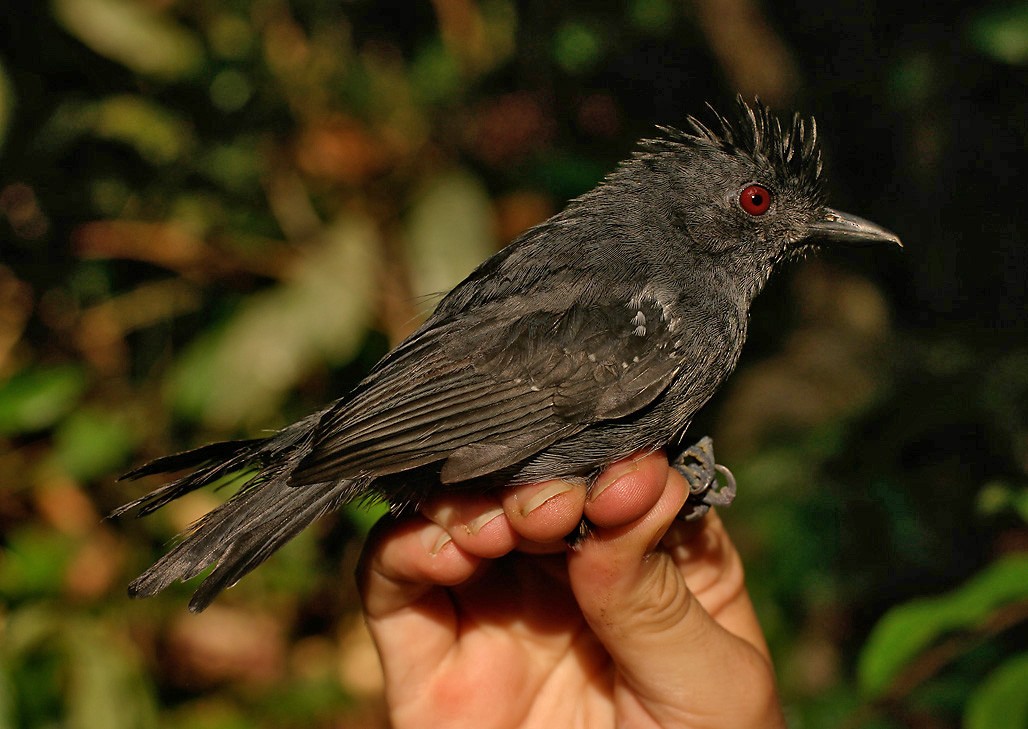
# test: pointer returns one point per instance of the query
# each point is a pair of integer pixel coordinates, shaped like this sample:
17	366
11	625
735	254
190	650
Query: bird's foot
697	465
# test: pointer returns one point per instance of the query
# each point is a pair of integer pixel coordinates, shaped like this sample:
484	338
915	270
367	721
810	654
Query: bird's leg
697	465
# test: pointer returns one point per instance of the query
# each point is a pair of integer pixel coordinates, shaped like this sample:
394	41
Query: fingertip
404	559
545	512
477	524
627	490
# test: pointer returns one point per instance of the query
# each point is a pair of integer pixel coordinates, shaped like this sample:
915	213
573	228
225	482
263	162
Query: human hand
484	618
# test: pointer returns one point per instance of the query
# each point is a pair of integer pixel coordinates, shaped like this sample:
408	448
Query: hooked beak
839	227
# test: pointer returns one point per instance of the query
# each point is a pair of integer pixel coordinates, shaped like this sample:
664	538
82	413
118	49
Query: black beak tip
839	227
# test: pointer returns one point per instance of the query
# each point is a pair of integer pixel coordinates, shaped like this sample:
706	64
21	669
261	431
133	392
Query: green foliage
1001	702
577	47
80	667
91	443
35	399
145	41
1002	33
449	232
34	563
997	497
239	372
907	630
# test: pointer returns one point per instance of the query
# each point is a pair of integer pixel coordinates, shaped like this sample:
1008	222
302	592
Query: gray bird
593	336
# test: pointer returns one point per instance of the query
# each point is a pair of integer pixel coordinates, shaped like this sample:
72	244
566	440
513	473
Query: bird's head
751	188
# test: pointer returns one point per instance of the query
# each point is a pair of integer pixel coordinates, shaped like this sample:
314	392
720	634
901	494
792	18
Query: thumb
681	666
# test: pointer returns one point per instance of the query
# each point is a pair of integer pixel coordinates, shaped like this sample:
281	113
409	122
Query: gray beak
838	227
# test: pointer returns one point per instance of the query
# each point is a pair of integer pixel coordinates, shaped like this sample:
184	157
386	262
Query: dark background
216	215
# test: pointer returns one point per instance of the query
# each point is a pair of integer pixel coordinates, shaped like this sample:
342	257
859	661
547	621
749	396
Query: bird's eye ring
755	199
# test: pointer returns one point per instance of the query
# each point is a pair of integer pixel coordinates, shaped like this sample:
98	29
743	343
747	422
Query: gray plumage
595	335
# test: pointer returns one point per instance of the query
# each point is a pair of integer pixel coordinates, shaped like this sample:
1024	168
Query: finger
627	490
400	577
672	654
542	514
402	560
713	571
476	523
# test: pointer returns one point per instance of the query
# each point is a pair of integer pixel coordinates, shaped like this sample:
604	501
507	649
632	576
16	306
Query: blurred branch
101	331
169	245
291	205
755	59
463	31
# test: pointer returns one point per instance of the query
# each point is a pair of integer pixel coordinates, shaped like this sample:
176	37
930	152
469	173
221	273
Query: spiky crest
757	133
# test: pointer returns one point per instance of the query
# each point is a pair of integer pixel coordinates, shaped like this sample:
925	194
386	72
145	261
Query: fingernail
444	516
545	494
435	539
611	476
478	523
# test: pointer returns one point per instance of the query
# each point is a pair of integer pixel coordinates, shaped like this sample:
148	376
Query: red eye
755	199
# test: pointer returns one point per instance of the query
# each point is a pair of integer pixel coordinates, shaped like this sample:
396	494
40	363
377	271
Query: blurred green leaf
449	232
7	717
1002	33
213	712
230	90
908	629
91	443
501	27
235	167
158	135
913	79
997	497
133	34
577	47
307	697
106	686
1001	700
652	16
103	682
155	133
230	35
35	399
435	74
364	516
33	562
239	372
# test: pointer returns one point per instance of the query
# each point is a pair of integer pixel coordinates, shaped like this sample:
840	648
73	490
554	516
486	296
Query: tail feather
210	462
239	535
191	458
266	512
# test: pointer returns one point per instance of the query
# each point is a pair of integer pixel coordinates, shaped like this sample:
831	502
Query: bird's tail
238	535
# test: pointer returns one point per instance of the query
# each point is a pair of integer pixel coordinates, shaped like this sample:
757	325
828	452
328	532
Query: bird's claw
700	470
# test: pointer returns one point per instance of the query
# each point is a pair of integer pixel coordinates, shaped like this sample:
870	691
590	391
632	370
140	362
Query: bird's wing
486	394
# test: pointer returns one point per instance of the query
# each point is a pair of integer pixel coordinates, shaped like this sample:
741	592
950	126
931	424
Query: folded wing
489	394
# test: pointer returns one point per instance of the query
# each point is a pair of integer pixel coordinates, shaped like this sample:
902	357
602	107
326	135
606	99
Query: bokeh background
215	215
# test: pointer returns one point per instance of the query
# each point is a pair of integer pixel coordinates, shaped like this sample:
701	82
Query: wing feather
496	391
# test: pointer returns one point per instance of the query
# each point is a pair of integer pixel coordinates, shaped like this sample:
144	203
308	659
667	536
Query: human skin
484	618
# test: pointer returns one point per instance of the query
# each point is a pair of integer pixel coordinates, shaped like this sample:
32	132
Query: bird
597	334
